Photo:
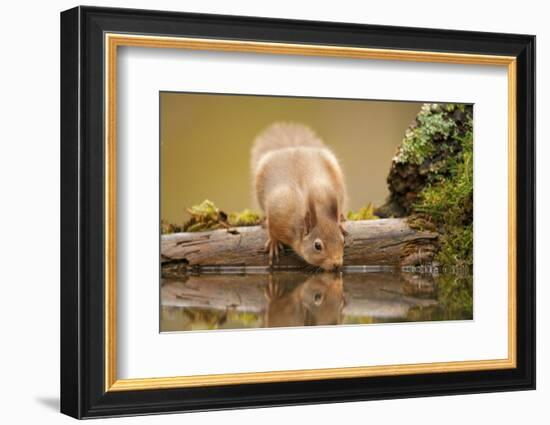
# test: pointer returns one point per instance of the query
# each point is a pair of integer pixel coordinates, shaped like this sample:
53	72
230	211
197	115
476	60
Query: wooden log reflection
293	299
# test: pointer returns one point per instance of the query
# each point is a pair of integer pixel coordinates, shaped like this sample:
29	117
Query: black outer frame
82	212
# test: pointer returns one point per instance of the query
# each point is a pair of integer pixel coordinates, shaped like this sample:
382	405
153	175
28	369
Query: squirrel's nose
336	265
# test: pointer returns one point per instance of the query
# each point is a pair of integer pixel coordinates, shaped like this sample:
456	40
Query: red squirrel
300	187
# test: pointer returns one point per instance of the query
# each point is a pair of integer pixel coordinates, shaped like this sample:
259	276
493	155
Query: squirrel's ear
310	219
333	209
307	223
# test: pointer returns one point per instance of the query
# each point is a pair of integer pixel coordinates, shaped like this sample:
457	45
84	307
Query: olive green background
206	141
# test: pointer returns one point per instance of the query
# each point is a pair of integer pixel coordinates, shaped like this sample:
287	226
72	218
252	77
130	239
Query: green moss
364	213
427	153
207	216
243	319
448	201
421	222
244	218
358	320
198	318
431	179
455	296
166	227
454	300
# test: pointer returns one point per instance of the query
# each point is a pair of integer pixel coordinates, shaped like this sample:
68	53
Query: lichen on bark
431	179
426	155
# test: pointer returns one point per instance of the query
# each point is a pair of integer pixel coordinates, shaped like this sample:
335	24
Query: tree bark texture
384	242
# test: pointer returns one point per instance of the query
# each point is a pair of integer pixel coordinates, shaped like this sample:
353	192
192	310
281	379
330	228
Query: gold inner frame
113	41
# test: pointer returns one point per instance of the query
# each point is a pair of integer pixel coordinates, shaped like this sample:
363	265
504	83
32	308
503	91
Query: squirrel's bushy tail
282	135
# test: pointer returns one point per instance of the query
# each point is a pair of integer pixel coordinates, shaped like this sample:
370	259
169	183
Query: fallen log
371	242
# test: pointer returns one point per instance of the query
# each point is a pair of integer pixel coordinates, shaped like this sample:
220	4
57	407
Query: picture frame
90	40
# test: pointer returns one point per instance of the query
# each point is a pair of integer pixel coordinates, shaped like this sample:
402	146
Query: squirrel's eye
317	298
318	245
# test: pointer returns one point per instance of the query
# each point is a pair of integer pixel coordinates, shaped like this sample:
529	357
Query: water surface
286	299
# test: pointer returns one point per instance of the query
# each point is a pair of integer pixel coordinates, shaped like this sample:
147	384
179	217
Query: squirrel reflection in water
319	300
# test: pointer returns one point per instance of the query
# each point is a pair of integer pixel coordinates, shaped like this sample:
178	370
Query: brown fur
319	300
300	187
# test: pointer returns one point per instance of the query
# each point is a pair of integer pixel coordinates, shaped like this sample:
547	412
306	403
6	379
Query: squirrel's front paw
274	289
343	230
273	247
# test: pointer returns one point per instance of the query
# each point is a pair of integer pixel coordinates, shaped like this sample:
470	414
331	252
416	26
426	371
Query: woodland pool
294	298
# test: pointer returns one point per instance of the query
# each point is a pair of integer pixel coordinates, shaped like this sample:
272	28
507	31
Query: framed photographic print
261	212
